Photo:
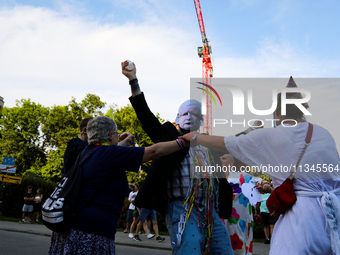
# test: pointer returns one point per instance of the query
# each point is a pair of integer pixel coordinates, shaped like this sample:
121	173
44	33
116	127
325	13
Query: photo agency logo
248	100
209	93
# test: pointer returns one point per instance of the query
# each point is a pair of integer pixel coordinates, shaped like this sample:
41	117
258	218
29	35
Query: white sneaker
150	236
131	235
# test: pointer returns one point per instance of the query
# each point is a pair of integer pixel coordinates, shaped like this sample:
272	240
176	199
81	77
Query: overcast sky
51	51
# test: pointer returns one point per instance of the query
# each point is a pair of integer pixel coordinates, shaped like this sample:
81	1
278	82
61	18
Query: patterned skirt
78	242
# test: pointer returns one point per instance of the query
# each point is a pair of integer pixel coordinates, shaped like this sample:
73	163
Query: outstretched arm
213	142
150	123
163	148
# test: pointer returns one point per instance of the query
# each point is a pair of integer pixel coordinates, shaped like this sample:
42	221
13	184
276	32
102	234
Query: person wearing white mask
189	202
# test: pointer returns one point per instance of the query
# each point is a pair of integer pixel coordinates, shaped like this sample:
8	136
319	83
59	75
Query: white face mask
189	115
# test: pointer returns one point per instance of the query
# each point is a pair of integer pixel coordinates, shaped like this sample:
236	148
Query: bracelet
133	81
180	143
134	86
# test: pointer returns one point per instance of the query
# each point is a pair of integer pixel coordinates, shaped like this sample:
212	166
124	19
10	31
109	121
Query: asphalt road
14	243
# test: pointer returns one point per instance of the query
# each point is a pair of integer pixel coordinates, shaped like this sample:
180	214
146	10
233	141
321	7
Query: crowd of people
205	214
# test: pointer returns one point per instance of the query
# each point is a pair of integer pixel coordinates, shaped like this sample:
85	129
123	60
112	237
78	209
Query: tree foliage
127	121
21	137
37	136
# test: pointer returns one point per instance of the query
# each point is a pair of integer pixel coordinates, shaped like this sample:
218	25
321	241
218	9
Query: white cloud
275	58
50	56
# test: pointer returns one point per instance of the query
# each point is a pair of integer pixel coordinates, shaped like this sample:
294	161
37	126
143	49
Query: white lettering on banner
62	182
55	193
47	204
59	203
53	204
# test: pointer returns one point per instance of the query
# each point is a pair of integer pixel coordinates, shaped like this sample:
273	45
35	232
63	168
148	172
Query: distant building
2	102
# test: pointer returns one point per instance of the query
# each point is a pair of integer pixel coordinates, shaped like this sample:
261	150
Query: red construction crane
207	68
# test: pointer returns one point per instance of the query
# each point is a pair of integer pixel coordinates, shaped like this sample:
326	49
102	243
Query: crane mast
205	53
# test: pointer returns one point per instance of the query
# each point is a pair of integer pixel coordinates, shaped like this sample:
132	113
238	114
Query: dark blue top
74	147
107	164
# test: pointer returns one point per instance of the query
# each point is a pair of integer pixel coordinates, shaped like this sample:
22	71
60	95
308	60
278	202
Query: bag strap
82	156
307	142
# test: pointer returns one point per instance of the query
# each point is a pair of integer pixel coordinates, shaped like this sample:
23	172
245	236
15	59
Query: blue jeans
147	214
192	239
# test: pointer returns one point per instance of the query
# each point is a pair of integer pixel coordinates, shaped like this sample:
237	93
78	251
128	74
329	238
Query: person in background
37	205
131	208
240	223
267	219
77	145
151	215
136	215
28	205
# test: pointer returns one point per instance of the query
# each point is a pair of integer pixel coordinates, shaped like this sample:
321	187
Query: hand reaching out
189	138
132	186
264	187
227	160
130	74
127	139
258	124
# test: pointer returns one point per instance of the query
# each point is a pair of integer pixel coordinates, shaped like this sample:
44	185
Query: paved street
16	243
17	238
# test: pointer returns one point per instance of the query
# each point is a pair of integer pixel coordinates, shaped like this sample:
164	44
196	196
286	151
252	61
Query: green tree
37	136
90	106
21	137
127	121
62	125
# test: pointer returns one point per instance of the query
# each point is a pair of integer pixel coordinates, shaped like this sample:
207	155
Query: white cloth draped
311	226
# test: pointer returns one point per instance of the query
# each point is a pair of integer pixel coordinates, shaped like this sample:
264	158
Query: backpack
59	210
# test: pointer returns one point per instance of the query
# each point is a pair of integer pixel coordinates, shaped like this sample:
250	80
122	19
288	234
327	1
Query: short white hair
98	129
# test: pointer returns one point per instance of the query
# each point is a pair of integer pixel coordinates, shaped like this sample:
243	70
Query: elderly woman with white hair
95	226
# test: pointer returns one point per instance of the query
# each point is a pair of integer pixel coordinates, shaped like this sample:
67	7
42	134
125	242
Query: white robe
303	229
